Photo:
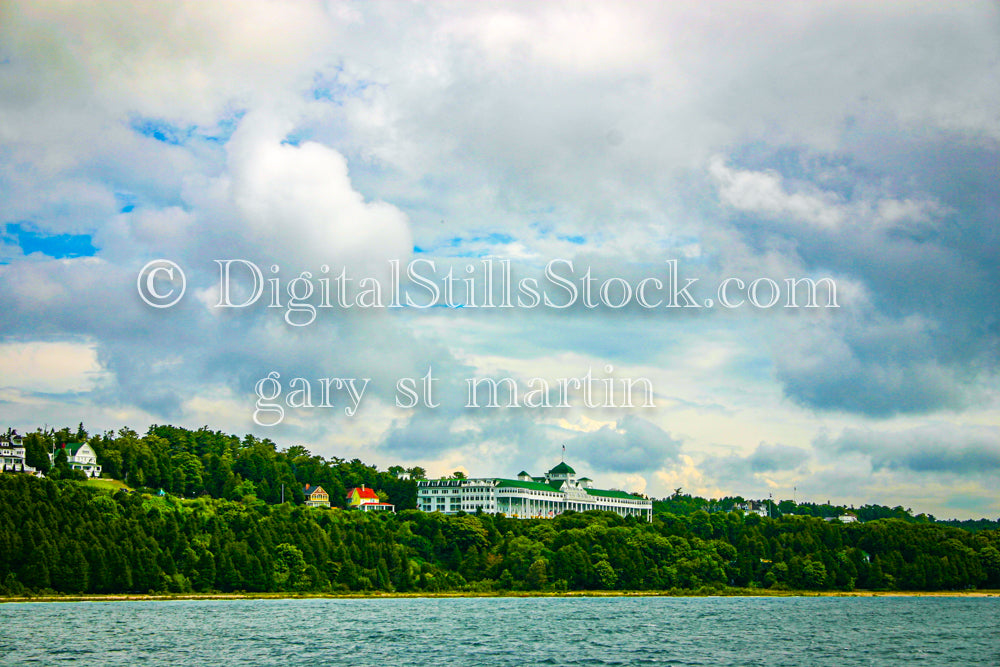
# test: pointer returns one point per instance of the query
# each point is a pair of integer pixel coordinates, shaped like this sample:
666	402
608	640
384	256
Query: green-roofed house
527	496
80	457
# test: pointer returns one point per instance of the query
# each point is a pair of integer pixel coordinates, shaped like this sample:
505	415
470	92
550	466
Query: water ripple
677	632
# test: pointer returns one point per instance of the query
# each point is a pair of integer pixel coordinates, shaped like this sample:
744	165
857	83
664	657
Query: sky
847	141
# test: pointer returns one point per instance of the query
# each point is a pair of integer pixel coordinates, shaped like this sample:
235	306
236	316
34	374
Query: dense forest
189	464
72	537
205	513
684	504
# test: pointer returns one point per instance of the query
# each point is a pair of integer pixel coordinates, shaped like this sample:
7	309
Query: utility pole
282	493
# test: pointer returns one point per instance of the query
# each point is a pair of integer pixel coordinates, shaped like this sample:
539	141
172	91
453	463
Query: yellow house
367	500
316	496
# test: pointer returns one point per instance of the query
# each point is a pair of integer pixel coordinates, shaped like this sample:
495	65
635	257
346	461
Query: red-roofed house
367	500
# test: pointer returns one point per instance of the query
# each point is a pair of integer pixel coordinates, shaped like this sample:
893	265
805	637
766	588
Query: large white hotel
527	497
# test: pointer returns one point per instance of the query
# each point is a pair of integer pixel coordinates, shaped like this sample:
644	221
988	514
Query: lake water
507	631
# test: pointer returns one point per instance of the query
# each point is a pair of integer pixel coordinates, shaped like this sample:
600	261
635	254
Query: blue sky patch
161	130
57	246
497	237
225	128
168	133
331	88
127	201
295	138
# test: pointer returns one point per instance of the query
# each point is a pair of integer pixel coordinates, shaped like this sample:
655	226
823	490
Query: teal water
503	631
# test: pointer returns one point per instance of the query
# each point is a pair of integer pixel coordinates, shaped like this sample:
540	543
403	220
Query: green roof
603	493
71	447
523	474
518	484
562	469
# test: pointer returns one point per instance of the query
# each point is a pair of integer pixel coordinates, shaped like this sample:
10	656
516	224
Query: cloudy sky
857	142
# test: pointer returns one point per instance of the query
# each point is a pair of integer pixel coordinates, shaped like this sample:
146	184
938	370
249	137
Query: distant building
367	500
12	453
316	496
843	518
758	507
80	456
528	497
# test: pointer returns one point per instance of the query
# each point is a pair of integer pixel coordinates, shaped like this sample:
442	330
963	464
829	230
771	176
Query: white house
528	497
758	507
12	453
80	456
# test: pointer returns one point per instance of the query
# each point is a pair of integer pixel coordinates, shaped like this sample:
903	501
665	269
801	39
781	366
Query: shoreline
748	593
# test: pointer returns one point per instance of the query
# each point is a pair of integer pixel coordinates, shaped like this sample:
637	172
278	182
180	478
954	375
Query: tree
245	489
188	474
11	586
814	575
60	465
990	558
537	575
36	454
290	568
606	575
